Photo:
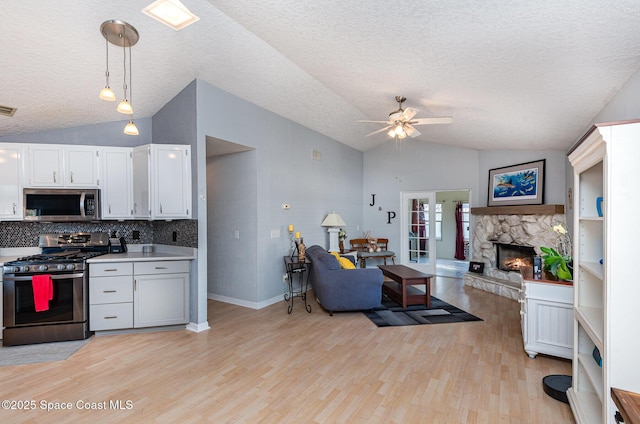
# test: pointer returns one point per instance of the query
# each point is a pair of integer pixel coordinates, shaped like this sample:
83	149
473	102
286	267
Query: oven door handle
53	277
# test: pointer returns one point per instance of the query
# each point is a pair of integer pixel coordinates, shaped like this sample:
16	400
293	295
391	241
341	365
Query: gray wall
107	134
412	166
285	172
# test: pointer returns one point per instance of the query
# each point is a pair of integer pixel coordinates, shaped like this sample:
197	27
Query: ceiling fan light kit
401	123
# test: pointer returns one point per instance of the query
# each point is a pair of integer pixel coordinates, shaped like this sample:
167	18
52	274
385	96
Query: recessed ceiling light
171	13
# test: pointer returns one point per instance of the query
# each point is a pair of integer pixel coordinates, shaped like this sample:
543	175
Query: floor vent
7	111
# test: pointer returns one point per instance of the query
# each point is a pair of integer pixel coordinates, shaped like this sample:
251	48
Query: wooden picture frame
477	267
521	184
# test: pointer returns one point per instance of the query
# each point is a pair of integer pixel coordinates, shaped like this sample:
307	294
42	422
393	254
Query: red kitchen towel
42	291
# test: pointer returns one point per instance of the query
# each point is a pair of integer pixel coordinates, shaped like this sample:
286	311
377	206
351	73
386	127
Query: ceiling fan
401	123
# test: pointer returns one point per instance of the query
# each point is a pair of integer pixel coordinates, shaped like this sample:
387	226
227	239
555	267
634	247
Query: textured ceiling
514	75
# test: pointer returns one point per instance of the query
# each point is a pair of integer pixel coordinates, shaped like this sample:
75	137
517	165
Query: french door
418	230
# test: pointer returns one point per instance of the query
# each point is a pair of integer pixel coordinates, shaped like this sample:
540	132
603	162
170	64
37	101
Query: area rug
392	315
41	352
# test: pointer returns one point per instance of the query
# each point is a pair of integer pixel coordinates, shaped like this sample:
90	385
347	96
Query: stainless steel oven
65	314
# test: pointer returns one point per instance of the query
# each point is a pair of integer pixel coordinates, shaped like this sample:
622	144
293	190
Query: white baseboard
246	303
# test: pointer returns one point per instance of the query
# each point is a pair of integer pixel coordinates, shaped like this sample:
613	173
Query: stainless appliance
61	204
63	258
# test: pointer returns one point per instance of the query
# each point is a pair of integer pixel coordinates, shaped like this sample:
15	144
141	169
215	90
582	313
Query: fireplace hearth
510	257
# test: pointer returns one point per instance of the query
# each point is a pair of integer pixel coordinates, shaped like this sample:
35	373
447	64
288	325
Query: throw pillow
344	262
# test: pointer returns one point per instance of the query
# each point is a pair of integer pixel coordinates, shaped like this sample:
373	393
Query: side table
295	267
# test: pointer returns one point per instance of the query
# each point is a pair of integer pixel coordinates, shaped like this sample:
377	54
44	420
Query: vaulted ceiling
514	75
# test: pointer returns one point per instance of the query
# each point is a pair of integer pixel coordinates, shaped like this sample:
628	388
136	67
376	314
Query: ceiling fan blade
378	131
408	113
374	122
411	132
429	121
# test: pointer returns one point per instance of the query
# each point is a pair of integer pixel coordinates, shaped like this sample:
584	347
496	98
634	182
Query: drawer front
111	317
116	289
108	269
161	267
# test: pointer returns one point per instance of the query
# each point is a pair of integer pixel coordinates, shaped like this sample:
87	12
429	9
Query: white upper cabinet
10	182
162	181
62	166
81	166
44	166
141	182
116	182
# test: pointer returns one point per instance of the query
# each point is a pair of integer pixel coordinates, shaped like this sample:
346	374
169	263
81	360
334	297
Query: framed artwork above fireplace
521	184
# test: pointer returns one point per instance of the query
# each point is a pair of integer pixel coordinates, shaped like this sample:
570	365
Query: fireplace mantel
519	210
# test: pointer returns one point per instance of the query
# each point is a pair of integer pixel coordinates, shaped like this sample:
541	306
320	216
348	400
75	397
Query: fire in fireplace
510	257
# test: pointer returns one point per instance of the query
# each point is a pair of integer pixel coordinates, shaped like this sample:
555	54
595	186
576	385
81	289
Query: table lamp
333	221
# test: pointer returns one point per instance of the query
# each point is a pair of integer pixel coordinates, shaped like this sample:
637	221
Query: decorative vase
302	251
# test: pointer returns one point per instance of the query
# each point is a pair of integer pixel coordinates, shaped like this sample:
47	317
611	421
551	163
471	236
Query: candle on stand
290	228
297	234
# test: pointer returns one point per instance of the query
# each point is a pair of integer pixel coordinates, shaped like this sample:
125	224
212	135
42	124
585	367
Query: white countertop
140	257
135	254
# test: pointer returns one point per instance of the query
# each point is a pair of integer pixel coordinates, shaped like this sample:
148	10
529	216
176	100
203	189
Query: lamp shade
333	220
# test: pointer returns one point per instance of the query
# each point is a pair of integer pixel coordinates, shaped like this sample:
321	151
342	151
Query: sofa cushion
328	261
344	262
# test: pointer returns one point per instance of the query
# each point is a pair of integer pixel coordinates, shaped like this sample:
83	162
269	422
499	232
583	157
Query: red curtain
459	234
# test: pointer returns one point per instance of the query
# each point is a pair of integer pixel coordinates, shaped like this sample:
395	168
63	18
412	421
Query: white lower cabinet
138	294
161	293
547	318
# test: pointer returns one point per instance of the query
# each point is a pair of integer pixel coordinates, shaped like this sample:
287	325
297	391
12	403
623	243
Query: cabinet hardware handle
71	174
14	208
110	269
54	176
109	291
161	267
160	207
109	208
135	285
111	317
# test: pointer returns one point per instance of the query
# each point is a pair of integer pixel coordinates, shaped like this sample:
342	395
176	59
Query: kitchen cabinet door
116	180
44	166
172	181
10	182
141	181
161	299
81	166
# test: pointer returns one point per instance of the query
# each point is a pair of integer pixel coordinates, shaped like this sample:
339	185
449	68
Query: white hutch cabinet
606	287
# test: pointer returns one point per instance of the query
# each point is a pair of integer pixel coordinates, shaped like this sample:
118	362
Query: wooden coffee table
400	288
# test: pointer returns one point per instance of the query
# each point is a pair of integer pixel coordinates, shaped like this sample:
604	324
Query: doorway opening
435	235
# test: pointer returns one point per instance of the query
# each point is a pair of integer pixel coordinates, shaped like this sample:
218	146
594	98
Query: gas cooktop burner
66	256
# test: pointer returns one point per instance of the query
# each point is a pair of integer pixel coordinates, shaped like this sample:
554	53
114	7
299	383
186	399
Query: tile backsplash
25	234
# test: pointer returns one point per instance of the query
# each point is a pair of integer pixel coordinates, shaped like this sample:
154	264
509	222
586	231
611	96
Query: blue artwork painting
521	184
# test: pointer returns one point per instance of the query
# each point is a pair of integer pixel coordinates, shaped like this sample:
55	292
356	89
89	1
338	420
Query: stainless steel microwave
53	205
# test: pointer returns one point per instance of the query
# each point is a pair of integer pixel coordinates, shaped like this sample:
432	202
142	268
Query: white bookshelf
606	281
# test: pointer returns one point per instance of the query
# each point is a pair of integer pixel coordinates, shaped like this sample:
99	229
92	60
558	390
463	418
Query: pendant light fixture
107	93
123	35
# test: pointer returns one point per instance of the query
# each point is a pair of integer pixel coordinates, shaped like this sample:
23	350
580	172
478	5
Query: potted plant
557	261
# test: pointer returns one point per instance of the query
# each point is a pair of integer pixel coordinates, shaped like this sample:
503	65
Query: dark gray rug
391	314
41	352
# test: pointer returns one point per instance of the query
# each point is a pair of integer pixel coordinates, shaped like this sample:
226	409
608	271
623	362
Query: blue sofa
339	289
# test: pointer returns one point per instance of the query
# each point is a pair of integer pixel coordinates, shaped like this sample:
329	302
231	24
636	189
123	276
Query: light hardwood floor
269	367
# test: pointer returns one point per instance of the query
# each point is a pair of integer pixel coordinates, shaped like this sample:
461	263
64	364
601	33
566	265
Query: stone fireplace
521	228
